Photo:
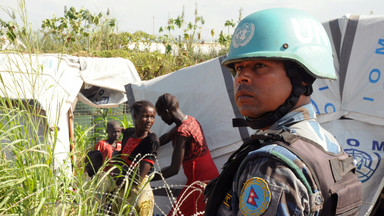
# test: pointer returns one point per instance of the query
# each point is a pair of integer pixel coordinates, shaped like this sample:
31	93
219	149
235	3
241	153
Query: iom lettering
376	145
381	49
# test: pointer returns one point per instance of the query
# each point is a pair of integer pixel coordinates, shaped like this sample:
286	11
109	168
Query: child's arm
167	137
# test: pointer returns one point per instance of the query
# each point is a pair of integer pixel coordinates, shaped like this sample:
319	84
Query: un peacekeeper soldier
276	54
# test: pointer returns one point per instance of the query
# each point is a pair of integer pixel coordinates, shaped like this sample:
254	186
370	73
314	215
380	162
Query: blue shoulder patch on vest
255	197
267	150
285	156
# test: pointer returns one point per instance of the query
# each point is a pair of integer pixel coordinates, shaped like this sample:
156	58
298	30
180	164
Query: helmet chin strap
269	118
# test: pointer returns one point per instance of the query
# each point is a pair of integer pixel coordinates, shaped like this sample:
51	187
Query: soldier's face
260	86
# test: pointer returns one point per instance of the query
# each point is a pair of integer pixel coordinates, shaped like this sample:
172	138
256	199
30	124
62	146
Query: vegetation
225	38
189	31
76	31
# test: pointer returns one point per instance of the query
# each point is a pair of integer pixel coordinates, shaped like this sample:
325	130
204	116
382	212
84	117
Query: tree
225	39
190	31
76	28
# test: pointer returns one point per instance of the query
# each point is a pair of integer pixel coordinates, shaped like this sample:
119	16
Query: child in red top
108	146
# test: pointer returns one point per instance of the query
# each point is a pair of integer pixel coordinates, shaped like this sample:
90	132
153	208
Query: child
111	145
93	162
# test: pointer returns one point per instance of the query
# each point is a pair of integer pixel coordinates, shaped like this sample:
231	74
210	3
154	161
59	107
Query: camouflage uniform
280	191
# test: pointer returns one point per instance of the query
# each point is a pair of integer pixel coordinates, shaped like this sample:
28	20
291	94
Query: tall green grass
28	182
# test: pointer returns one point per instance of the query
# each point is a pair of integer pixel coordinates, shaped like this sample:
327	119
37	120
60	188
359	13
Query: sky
150	15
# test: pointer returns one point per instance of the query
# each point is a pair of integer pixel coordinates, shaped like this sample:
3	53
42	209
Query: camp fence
87	116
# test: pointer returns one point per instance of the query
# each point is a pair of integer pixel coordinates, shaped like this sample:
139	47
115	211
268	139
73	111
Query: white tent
57	81
351	108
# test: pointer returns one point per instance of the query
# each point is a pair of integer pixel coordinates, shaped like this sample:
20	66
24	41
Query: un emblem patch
255	197
243	35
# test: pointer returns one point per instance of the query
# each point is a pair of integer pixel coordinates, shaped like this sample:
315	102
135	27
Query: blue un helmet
287	34
283	34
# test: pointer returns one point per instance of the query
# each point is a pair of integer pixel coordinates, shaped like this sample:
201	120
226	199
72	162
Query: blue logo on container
366	165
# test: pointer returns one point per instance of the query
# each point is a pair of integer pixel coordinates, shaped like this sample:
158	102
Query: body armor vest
331	182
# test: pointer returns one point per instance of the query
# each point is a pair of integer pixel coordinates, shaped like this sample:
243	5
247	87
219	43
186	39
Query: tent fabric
52	80
363	83
326	100
104	80
359	49
46	78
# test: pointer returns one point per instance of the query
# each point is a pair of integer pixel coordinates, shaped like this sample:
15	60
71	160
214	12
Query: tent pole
71	138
